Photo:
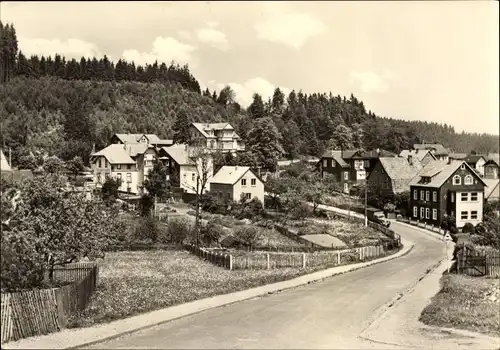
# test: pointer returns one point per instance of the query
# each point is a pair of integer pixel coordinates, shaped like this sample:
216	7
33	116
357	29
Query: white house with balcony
221	136
129	162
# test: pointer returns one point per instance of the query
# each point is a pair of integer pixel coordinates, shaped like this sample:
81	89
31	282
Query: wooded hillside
64	107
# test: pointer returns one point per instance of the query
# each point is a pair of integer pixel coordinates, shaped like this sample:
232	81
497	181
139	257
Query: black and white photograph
250	175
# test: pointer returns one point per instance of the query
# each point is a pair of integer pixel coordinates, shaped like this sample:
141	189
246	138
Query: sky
429	60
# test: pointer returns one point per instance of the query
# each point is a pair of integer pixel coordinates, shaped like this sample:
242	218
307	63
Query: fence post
338	258
268	261
230	262
360	253
303	260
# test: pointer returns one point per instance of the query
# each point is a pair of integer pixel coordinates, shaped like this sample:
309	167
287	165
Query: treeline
67	107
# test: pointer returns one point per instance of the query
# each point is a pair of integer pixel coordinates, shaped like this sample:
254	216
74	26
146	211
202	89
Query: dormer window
457	180
426	179
468	180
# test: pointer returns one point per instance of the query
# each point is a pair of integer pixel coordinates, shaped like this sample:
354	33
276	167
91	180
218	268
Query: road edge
210	303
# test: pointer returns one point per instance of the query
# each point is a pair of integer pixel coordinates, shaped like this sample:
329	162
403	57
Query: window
253	182
106	176
346	187
415	212
427	211
243	182
457	180
118	166
452	197
346	175
422	195
367	163
129	166
435	196
333	163
248	195
415	194
129	177
473	215
473	197
468	180
193	176
434	214
464	215
422	212
427	196
100	164
98	178
464	196
119	176
325	163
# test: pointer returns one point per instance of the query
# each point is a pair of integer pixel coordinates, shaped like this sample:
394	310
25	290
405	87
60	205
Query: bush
248	235
148	229
145	205
210	234
212	203
468	228
179	230
301	211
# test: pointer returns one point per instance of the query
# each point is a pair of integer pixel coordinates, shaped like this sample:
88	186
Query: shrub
468	228
179	230
213	203
248	235
210	234
145	205
147	229
301	211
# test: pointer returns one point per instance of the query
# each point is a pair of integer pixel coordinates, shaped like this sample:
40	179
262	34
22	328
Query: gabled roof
440	172
495	157
202	127
134	138
416	153
373	154
337	156
399	168
440	149
178	153
4	164
474	158
115	154
458	156
230	174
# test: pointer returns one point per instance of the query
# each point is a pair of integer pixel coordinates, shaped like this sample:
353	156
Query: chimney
410	159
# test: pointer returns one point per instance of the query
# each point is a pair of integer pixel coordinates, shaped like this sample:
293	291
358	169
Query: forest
67	108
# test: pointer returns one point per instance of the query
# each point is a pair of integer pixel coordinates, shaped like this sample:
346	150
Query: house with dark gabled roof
477	162
443	189
491	168
423	156
437	149
392	175
350	167
150	139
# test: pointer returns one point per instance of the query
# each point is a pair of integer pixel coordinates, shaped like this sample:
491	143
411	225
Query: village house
422	156
491	168
444	189
183	173
393	175
437	149
235	182
477	162
129	162
350	167
150	139
219	136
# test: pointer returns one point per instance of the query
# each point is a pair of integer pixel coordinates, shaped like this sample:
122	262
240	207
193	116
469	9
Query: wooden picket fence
42	311
423	225
217	258
475	263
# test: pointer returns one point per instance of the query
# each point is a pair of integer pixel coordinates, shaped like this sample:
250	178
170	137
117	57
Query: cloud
244	92
184	34
164	50
290	29
210	35
370	81
70	48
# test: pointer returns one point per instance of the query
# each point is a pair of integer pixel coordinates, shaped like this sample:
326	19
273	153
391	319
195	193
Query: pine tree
181	127
278	101
256	108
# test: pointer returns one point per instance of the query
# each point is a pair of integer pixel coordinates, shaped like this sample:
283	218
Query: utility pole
10	157
366	200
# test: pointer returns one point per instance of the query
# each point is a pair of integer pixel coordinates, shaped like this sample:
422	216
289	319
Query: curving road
328	314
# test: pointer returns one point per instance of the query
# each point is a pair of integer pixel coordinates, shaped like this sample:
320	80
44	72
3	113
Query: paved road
328	314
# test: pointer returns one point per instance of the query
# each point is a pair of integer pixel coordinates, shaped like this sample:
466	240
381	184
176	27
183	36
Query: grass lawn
131	283
462	304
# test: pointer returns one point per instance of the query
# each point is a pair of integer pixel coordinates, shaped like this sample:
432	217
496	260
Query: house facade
447	189
183	172
221	136
491	169
235	182
350	167
129	162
